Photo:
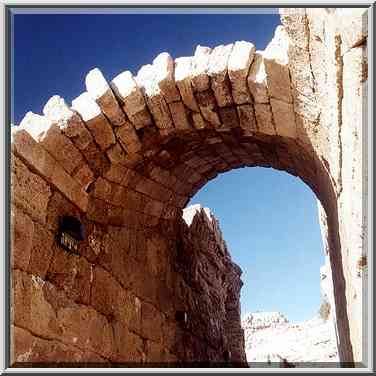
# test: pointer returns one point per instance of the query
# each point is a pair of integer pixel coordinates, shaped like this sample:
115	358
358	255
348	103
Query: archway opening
270	223
125	159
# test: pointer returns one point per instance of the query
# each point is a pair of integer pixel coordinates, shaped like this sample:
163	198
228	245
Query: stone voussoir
100	91
257	83
277	66
199	69
217	70
183	79
129	93
148	80
239	63
69	121
95	121
164	67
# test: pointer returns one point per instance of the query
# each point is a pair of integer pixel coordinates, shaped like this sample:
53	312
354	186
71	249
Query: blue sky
270	223
269	218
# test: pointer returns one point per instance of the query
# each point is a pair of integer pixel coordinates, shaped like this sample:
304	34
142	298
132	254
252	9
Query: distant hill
269	336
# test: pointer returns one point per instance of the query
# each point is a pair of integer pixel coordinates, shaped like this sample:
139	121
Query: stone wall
213	282
157	297
330	71
126	157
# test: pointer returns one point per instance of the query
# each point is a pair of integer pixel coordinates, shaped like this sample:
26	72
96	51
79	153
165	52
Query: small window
71	232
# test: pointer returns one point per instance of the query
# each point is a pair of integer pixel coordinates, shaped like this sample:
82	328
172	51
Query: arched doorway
124	160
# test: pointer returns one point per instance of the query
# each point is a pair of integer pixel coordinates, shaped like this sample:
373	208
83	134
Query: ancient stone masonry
213	281
129	153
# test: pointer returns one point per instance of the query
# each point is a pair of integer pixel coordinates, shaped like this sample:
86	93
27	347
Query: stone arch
128	154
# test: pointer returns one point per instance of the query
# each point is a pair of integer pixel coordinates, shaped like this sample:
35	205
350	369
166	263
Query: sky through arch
269	220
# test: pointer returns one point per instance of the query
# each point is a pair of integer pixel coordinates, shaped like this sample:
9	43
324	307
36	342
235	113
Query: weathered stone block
96	159
95	120
116	173
97	211
85	328
30	309
208	106
151	322
29	191
50	137
70	123
116	154
153	190
102	189
353	26
128	138
22	231
41	160
264	119
156	256
257	83
229	118
239	63
129	346
109	298
164	67
70	188
198	121
217	71
247	118
183	69
29	350
277	66
84	176
100	91
134	200
115	255
72	274
284	118
155	353
42	251
179	115
154	208
127	90
199	69
63	269
147	79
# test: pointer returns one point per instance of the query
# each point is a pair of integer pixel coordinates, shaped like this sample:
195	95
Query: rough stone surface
70	123
21	239
132	98
100	91
257	79
217	71
277	66
95	120
128	156
183	79
164	66
199	68
238	68
29	191
148	80
52	139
